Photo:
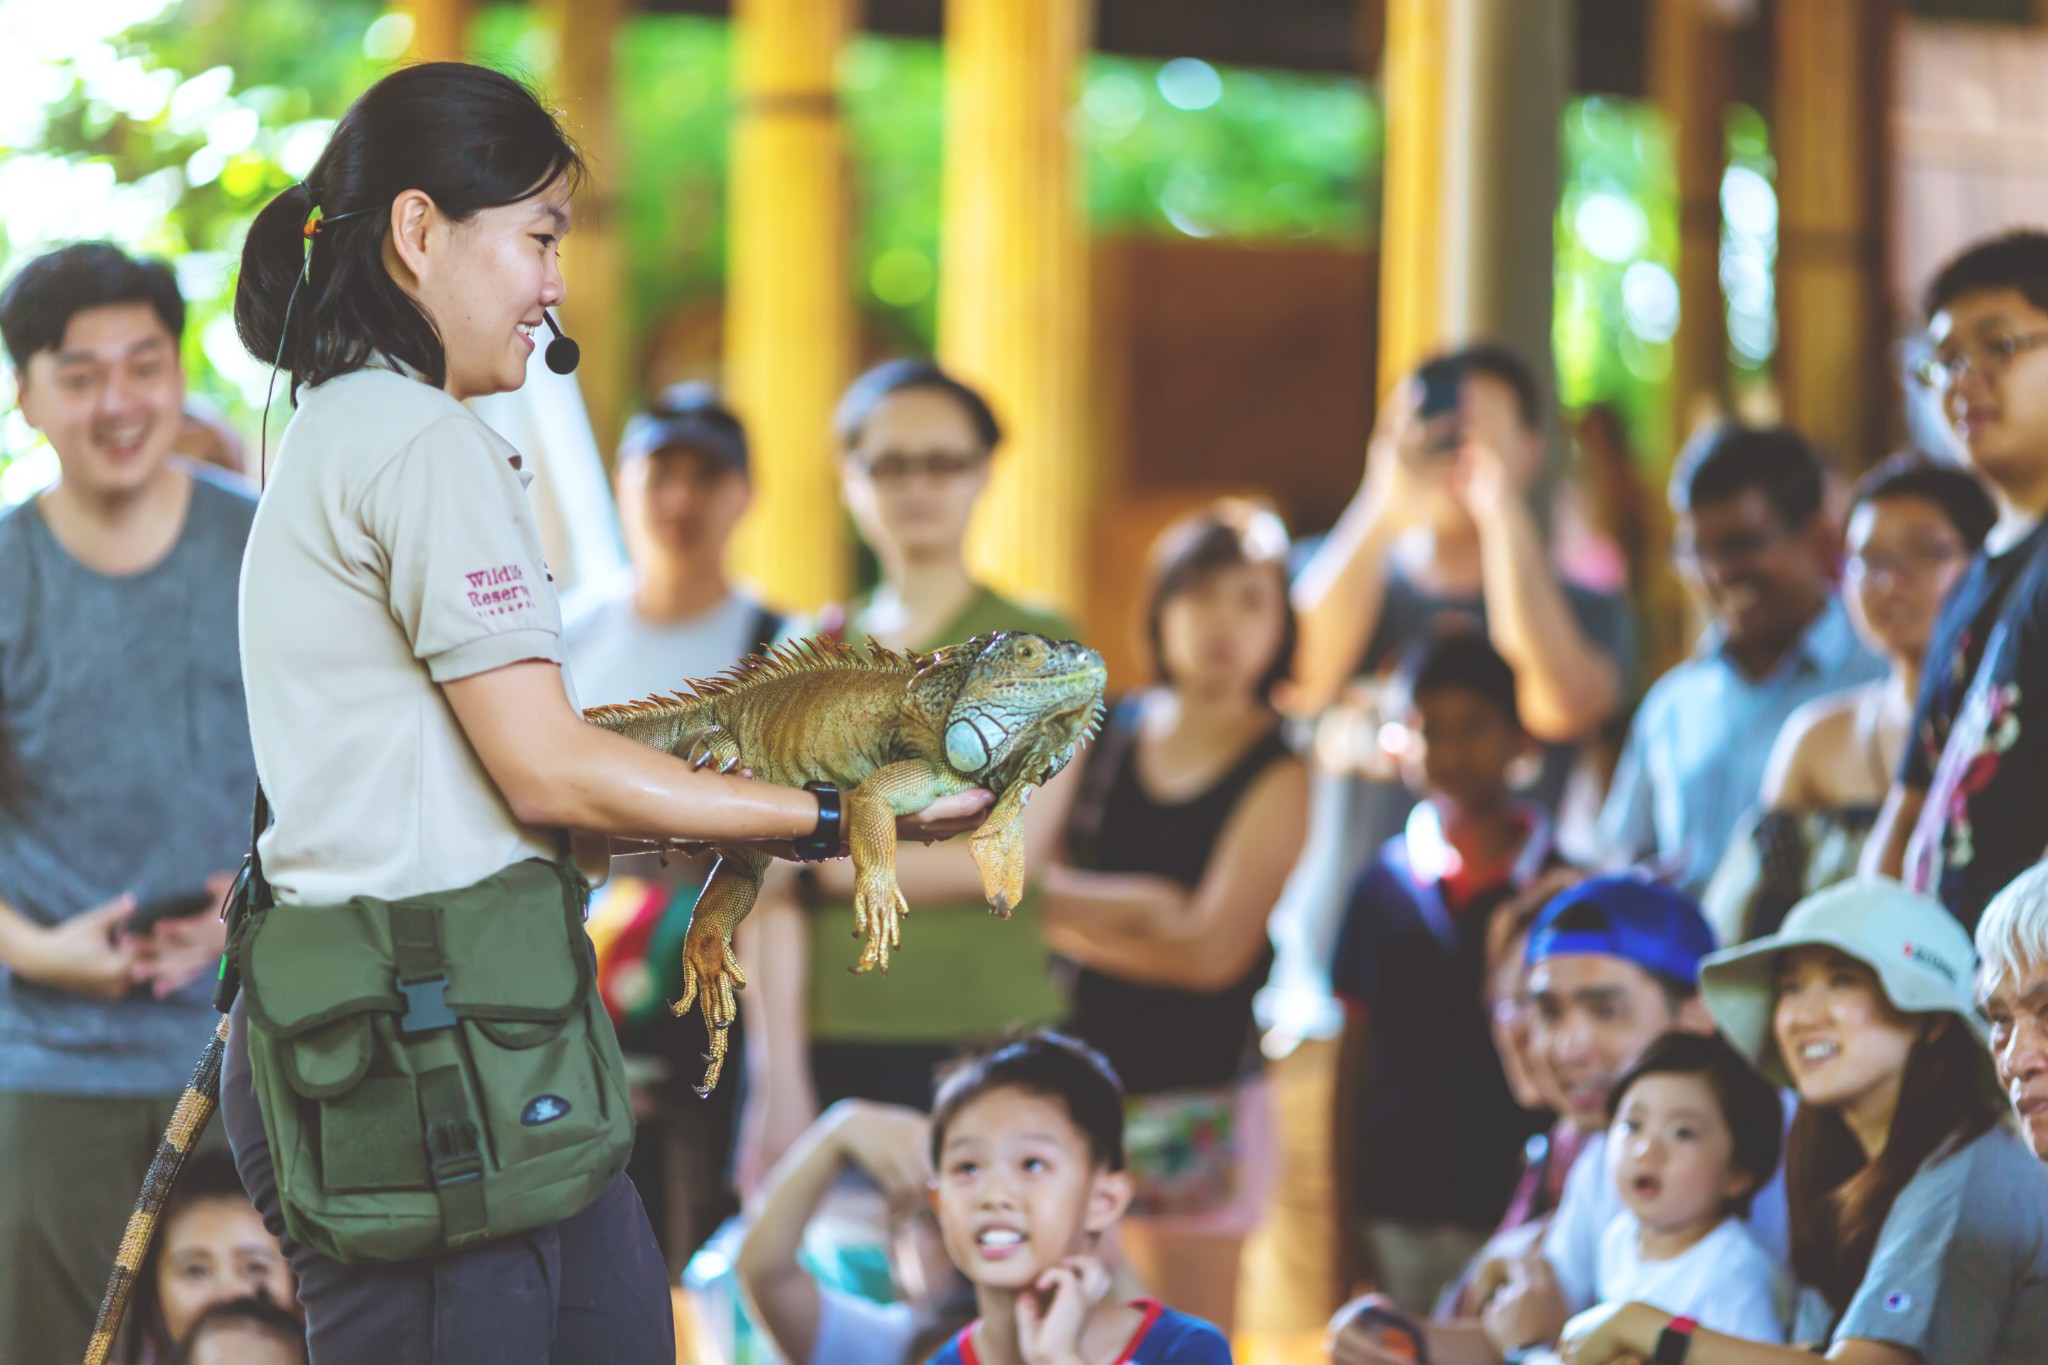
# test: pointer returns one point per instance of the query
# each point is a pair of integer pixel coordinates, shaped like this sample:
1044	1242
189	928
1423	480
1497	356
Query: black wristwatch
1674	1343
822	842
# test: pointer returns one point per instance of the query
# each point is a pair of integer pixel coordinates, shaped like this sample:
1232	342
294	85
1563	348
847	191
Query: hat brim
1740	990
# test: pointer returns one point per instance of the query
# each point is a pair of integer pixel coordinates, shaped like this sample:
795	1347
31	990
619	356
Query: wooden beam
581	83
1689	74
789	302
1013	300
1832	71
440	29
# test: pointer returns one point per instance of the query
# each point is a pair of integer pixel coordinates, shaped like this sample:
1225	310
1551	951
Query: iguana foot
711	976
878	911
999	853
711	747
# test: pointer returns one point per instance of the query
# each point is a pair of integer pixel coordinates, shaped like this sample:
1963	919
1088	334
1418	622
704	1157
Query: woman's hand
959	813
1612	1334
1050	1317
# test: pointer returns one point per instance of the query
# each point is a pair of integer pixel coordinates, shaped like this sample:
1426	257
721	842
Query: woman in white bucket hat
1919	1218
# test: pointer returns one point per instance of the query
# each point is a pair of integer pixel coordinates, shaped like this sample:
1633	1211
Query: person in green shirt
916	448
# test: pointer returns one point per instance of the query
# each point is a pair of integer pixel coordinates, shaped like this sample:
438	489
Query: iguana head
1023	704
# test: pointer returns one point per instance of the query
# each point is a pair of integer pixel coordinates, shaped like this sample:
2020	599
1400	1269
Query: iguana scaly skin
894	732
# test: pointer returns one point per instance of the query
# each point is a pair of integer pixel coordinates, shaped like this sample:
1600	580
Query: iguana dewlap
893	732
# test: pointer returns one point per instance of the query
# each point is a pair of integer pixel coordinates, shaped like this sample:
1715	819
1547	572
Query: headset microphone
562	353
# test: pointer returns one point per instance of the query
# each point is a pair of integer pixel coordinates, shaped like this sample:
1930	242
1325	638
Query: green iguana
894	732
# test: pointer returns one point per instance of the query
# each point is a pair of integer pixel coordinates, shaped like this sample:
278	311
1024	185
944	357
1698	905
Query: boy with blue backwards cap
1920	1218
1613	966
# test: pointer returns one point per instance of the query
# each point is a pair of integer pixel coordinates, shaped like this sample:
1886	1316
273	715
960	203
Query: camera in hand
1442	383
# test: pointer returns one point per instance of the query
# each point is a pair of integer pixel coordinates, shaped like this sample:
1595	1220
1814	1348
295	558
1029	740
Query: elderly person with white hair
2012	987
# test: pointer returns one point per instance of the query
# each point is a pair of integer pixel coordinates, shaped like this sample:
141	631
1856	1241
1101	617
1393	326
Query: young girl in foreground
1918	1216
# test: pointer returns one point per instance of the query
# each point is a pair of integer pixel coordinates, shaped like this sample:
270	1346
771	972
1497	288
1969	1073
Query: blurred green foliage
202	113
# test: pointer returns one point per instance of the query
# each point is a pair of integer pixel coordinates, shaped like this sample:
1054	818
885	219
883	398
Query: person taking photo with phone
1445	522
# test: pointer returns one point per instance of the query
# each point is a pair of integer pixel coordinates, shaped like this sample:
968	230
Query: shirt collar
1431	859
1826	646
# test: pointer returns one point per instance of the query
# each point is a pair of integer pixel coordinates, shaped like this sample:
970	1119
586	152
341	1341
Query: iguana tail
188	1121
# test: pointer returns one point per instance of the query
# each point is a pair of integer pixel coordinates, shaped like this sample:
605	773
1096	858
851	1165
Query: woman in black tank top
1190	815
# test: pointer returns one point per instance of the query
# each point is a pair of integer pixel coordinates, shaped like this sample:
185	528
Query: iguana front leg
998	849
871	810
711	974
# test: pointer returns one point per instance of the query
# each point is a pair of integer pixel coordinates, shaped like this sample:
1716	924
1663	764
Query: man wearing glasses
1754	547
916	448
1966	814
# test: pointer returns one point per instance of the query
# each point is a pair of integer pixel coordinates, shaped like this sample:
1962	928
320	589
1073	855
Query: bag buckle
426	1005
452	1154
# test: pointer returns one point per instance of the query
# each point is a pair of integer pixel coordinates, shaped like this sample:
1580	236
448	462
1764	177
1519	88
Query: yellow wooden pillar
1832	60
440	29
1411	203
789	304
1474	89
1013	303
584	33
1689	78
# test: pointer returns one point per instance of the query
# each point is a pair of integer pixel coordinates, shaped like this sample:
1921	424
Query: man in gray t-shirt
125	775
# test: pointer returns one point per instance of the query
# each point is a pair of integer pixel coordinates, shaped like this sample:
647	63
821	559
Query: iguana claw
711	971
878	911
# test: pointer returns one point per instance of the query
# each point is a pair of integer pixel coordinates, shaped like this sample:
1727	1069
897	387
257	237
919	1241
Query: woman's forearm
556	770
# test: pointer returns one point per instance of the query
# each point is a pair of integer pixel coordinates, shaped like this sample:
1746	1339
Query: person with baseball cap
1613	965
681	479
1919	1217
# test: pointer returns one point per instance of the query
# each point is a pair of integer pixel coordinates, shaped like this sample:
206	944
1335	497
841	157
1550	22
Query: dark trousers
587	1289
74	1164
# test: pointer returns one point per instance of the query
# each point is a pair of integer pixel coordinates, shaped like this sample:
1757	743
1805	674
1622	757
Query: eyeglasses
1908	562
893	467
1993	356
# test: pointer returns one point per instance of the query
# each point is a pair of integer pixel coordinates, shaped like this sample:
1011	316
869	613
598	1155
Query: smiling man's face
109	396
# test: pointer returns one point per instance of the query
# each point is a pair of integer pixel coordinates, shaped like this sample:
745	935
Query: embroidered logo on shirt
1896	1302
499	591
543	1109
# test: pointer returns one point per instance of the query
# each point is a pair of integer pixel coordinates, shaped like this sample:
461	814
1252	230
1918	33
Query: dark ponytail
468	137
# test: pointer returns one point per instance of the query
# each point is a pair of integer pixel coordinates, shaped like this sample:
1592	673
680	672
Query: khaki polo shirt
394	550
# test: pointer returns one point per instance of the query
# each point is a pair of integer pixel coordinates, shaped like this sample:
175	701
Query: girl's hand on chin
1051	1314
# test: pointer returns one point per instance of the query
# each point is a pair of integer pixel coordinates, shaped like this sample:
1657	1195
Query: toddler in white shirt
1696	1132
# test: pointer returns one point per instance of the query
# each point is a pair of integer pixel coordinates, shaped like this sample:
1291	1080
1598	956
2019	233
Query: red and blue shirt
1163	1338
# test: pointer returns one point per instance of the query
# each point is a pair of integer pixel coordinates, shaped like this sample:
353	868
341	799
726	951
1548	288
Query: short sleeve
1743	1293
1572	1242
1191	1342
1934	1285
857	1331
1628	828
466	577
